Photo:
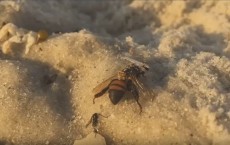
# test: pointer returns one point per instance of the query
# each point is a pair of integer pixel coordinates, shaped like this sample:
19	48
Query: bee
125	80
95	120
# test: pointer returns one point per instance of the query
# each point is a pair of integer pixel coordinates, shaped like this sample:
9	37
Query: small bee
125	80
94	120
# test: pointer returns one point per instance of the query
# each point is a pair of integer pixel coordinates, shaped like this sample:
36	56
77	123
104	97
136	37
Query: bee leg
95	130
136	97
133	89
90	121
139	106
100	94
103	115
94	100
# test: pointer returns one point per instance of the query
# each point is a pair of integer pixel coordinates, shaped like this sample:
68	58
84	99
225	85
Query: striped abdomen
117	89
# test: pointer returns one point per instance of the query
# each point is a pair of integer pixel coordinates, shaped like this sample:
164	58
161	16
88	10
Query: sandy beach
46	93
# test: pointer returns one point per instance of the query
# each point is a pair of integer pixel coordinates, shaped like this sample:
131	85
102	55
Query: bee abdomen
118	85
115	96
117	90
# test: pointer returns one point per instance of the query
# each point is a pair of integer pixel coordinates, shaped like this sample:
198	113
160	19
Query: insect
95	120
125	80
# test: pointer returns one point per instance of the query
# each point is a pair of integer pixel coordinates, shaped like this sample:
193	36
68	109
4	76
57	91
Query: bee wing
138	63
104	84
138	83
141	87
